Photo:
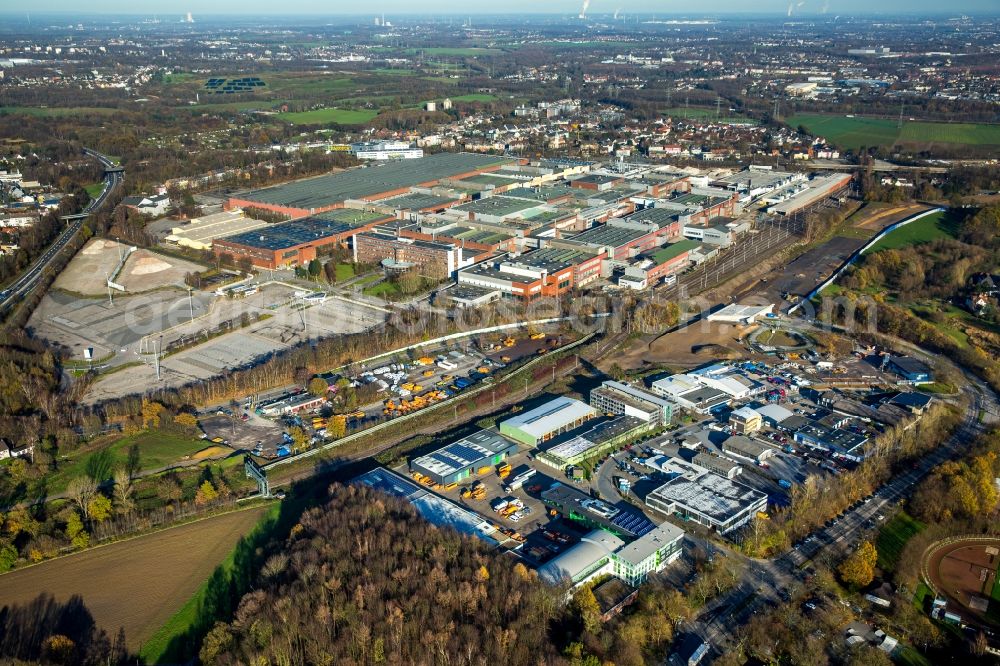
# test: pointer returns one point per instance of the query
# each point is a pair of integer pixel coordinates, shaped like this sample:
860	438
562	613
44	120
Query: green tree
100	508
206	493
318	386
588	610
315	268
8	556
77	536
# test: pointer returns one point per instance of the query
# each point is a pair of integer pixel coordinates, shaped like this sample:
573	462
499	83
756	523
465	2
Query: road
31	277
765	583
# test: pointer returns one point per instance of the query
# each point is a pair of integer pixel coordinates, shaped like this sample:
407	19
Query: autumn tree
123	490
77	536
318	386
858	569
80	491
99	508
206	493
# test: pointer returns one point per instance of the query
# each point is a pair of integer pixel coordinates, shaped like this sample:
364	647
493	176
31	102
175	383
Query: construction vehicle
357	415
484	470
450	486
503	470
417	476
428	373
424	360
483	370
509	342
505	359
537	336
465	493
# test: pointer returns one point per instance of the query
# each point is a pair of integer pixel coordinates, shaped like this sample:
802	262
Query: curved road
30	278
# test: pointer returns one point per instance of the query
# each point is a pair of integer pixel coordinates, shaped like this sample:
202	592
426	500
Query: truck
784	483
462	382
523	474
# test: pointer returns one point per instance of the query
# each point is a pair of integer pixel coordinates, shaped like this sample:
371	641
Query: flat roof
742	444
594	437
553	415
418	201
218	225
661	217
499	206
352	217
738	311
466	452
435	510
672	251
642	548
636	393
290	234
709	494
369	181
542	193
607	235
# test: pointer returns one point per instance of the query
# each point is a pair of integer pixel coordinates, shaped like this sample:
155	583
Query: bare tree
81	490
123	490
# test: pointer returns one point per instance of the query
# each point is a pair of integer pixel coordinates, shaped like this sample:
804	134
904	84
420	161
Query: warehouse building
601	553
613	397
464	458
287	244
199	232
619	239
591	513
709	499
741	314
658	265
322	193
548	272
545	422
721	466
748	449
434	509
602	438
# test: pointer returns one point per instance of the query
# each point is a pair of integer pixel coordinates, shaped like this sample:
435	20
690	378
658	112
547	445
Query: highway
766	583
28	280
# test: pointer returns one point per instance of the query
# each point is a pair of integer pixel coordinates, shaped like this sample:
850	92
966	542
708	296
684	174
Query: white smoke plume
583	10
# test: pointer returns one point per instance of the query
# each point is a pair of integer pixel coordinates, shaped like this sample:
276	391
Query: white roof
775	413
642	548
551	416
592	548
737	312
746	413
676	384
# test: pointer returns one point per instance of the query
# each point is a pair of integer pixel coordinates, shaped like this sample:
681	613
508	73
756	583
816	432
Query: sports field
924	230
474	97
964	570
856	131
151	577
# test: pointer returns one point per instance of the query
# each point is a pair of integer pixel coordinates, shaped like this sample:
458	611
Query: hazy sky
702	7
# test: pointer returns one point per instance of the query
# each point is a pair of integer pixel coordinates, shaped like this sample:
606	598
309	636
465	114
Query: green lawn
455	51
474	97
932	227
858	131
893	537
326	116
345	272
385	289
94	189
156	449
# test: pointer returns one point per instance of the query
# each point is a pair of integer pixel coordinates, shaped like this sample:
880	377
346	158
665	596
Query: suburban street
766	582
29	279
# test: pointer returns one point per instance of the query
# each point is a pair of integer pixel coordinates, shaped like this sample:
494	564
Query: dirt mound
96	246
148	266
716	352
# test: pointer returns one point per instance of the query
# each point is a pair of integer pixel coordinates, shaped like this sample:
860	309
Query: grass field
153	574
345	272
325	116
156	450
383	289
932	227
893	537
57	112
455	52
857	131
94	189
474	97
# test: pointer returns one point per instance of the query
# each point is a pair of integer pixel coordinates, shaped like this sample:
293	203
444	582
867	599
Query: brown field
964	571
145	270
86	273
140	583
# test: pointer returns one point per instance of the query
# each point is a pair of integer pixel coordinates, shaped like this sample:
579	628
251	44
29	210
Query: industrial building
748	449
741	314
294	243
602	438
401	254
658	265
386	150
548	272
579	507
709	499
464	458
721	466
745	421
433	508
816	191
613	397
199	232
545	422
315	195
910	369
601	553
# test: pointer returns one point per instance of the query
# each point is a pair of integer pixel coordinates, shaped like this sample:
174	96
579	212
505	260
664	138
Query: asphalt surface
31	277
766	583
